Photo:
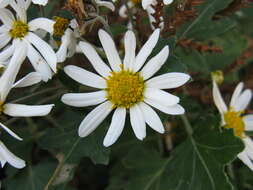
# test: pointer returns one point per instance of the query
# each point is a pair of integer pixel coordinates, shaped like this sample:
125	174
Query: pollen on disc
125	88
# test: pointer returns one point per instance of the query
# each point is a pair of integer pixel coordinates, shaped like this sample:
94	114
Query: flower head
233	117
16	29
125	86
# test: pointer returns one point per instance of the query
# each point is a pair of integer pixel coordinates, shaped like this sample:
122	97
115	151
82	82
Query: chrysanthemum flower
15	29
125	87
233	117
6	84
8	157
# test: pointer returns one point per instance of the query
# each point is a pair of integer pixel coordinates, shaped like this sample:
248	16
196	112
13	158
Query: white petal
65	43
130	47
151	118
243	100
39	63
40	2
95	59
146	49
116	127
168	80
110	50
85	77
172	110
245	159
248	120
20	110
218	100
10	132
94	118
155	63
161	96
6	17
167	2
138	122
6	53
4	3
236	94
28	80
248	147
10	157
84	99
4	39
46	51
9	76
107	4
42	23
146	3
123	11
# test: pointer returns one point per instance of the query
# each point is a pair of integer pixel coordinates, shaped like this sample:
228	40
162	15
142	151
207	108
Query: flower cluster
124	78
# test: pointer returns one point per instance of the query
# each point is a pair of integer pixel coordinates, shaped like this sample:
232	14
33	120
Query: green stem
187	125
35	94
60	165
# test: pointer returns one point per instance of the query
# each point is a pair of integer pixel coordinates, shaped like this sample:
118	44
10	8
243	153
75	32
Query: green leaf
196	164
32	177
66	140
203	26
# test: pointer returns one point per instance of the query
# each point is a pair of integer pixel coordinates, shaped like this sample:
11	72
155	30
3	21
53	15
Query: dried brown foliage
233	7
158	14
242	59
199	46
184	11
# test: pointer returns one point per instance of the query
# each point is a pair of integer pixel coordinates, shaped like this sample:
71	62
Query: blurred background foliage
217	35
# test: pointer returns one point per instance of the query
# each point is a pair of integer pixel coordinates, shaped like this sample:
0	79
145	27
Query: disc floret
19	29
125	88
234	120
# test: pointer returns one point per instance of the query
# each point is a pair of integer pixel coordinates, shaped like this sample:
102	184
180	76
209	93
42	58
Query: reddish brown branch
242	59
201	47
183	12
234	6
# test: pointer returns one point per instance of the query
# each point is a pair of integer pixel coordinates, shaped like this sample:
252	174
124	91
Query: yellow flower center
234	120
19	29
136	1
60	25
125	88
1	107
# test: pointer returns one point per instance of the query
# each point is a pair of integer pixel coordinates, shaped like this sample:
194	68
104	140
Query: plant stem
187	125
60	165
36	94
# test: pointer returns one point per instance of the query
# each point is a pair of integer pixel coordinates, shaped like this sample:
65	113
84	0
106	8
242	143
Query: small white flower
16	29
125	86
69	38
232	118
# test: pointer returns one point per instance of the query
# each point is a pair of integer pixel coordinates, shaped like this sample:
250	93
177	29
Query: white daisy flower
6	155
148	3
125	87
232	117
6	83
14	29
